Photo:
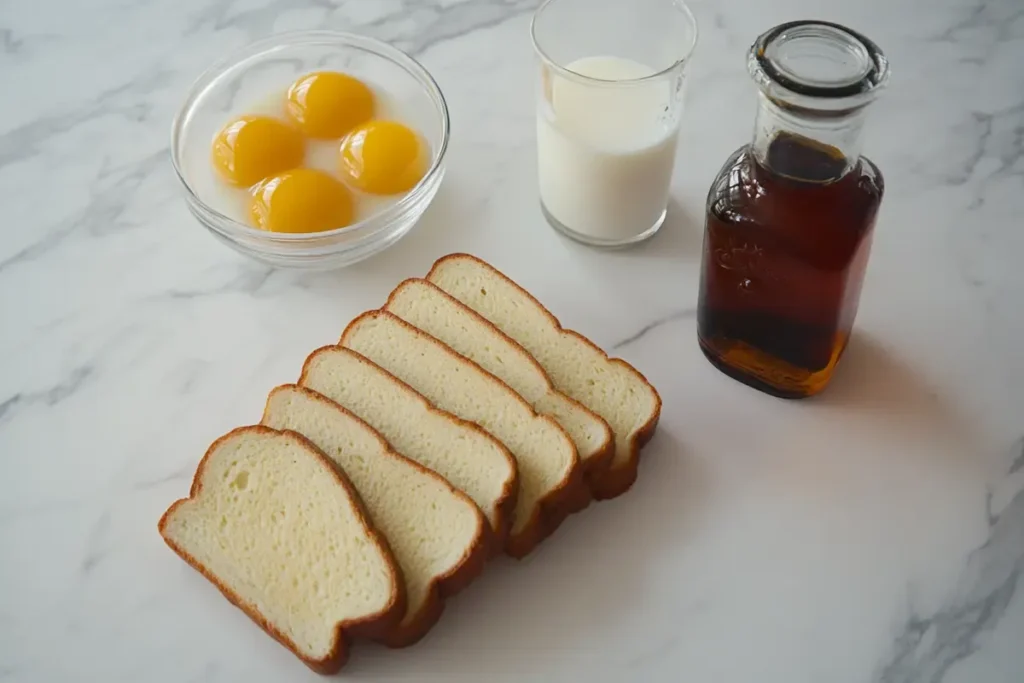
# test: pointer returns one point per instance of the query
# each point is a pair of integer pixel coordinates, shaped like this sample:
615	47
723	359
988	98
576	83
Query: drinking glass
612	76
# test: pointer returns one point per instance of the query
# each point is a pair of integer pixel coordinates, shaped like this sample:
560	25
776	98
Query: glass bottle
791	214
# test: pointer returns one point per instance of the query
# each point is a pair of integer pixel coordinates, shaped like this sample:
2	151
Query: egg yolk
250	148
328	104
301	200
383	157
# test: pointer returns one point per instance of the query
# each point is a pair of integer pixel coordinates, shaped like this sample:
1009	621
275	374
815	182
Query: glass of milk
610	99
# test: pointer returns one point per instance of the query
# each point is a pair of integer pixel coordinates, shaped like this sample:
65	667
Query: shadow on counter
589	576
873	382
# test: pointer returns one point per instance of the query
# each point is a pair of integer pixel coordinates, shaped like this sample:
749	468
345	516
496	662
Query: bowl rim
360	230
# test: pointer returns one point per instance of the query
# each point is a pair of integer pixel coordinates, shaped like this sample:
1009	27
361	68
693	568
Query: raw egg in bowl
311	149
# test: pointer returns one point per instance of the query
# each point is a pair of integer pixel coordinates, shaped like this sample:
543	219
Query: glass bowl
266	67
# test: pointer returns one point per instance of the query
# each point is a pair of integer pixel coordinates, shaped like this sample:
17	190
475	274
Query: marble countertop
873	534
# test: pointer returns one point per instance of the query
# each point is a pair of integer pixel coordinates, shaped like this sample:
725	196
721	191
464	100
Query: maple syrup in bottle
790	216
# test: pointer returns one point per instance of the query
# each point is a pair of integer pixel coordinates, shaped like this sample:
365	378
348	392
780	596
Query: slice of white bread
468	457
278	528
610	387
435	532
550	477
427	307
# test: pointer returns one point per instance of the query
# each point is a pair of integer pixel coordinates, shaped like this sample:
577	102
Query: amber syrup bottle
790	216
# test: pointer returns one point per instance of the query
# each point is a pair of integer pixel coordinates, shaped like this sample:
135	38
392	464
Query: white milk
605	154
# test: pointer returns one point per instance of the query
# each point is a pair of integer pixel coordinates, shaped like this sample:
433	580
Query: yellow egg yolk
301	200
250	148
383	157
328	104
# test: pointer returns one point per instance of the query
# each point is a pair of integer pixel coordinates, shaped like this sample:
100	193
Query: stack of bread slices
458	422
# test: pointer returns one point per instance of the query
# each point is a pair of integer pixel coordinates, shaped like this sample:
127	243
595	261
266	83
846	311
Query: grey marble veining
932	643
874	535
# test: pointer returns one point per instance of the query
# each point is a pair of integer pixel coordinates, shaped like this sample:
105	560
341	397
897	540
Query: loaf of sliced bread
468	457
278	528
610	387
550	477
427	307
435	532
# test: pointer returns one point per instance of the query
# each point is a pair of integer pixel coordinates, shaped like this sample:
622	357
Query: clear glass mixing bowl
270	65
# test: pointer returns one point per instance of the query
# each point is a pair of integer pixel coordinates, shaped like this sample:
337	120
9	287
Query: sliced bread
427	307
435	532
610	387
549	474
274	525
468	457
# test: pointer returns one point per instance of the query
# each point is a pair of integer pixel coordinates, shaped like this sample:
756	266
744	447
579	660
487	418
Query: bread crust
506	504
370	626
410	629
615	480
594	466
551	508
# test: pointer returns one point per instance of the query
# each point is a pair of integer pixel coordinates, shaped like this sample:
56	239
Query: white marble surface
876	534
